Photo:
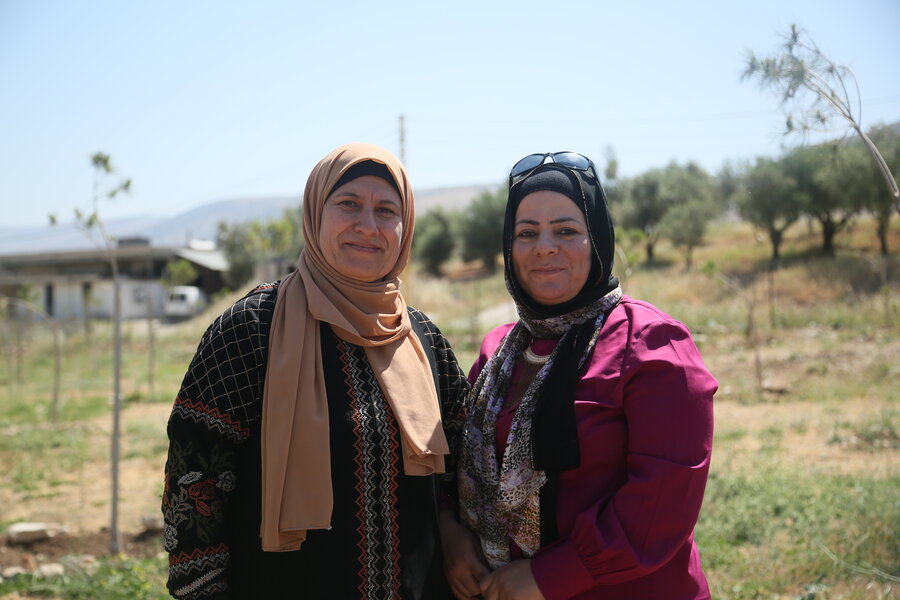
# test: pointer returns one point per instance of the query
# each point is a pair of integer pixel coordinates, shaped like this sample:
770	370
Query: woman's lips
369	248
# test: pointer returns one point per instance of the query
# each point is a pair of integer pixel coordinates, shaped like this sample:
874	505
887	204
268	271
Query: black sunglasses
570	160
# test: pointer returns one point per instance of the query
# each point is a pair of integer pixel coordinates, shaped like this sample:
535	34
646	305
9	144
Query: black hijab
586	192
366	167
554	443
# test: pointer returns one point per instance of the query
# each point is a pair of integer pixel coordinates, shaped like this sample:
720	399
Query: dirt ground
95	544
82	507
86	512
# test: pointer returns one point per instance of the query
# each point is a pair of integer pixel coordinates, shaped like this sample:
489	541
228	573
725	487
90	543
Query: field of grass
803	501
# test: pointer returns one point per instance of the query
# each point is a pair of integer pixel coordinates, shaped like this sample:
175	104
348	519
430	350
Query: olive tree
814	91
834	208
434	240
873	196
643	208
253	243
481	228
769	199
690	195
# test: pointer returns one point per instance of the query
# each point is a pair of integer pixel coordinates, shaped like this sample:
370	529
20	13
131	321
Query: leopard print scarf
503	502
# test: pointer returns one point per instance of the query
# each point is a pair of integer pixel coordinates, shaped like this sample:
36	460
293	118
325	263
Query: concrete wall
68	302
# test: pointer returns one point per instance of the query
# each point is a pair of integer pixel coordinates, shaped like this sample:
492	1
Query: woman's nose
366	223
545	245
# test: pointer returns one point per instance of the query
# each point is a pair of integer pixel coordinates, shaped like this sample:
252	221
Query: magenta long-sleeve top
644	414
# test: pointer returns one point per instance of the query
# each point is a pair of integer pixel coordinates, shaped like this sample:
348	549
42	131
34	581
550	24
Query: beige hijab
296	467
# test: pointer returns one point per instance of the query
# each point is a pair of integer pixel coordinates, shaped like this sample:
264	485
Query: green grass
145	439
760	533
39	456
882	433
771	434
730	436
86	386
113	579
771	529
799	426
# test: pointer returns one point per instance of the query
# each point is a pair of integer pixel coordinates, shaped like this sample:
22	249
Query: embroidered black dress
383	542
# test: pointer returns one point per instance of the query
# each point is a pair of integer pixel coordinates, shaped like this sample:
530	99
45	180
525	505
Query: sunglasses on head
570	160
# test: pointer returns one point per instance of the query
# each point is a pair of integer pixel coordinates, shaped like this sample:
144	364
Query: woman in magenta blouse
589	435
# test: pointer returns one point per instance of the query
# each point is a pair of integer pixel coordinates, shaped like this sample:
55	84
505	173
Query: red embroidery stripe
198	553
394	472
214	413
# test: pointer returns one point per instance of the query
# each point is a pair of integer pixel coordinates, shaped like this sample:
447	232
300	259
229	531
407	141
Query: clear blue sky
199	101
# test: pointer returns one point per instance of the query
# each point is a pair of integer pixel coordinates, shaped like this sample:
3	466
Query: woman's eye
525	234
568	232
387	211
347	204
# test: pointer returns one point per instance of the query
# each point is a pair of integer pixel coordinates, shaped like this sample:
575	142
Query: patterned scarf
502	503
296	470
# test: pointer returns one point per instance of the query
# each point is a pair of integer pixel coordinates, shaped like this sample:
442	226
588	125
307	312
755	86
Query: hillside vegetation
803	498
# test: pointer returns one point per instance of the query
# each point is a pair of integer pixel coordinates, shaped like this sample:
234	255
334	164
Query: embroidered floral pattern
211	419
217	410
170	538
198	502
190	478
227	481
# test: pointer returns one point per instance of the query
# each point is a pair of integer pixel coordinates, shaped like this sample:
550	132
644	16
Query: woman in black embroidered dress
316	414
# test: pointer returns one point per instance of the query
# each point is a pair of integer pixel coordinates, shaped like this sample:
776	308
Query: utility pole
403	140
407	271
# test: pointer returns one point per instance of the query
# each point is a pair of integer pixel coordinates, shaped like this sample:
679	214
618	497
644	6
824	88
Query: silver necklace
535	359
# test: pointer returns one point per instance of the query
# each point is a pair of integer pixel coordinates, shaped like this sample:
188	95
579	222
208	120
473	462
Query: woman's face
551	250
361	228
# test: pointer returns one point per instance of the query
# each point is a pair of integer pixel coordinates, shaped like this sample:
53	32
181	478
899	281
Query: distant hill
199	223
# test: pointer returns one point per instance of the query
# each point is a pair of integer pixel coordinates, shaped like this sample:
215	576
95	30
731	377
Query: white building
75	284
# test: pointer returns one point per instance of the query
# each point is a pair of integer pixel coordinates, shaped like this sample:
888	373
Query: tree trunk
882	166
57	373
753	339
882	233
829	230
30	308
19	352
649	248
775	236
86	312
771	279
115	539
688	258
885	289
151	348
490	263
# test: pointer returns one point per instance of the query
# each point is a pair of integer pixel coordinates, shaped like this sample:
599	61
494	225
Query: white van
184	301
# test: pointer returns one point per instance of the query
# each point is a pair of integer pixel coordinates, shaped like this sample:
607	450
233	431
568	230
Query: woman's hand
512	581
464	563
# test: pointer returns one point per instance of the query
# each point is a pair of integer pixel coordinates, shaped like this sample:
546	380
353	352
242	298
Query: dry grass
790	459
